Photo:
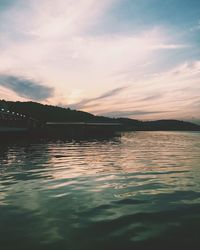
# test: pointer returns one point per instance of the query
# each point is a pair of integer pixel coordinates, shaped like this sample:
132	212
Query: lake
140	190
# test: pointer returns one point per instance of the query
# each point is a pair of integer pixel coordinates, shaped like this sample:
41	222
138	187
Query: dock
81	129
16	125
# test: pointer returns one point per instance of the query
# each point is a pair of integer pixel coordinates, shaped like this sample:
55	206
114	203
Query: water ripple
132	192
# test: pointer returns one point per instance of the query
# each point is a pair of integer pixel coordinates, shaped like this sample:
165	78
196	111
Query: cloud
26	87
152	97
132	113
66	44
54	18
168	94
60	45
169	46
108	94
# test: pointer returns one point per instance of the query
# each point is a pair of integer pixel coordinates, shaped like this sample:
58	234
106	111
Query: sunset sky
119	58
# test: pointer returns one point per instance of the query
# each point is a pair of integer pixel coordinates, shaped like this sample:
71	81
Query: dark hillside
48	113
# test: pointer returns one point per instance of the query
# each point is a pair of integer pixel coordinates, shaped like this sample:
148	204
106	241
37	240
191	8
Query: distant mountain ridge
48	113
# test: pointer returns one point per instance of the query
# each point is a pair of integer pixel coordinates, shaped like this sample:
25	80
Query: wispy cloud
108	94
57	45
169	94
169	46
26	87
136	113
68	45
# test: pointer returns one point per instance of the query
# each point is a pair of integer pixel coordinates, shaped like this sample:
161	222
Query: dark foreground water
140	191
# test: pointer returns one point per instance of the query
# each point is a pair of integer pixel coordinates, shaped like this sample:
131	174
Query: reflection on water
139	191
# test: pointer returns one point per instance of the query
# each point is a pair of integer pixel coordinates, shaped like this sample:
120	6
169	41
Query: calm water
139	191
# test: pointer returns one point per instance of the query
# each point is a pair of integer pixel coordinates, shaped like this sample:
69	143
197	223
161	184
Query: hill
50	113
159	125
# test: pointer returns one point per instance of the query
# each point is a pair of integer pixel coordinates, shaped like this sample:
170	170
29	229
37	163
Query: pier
17	125
81	129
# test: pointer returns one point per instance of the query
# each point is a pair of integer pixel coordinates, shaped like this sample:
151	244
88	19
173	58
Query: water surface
137	191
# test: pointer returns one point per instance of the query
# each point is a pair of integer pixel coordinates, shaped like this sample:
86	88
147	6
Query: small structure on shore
14	124
81	129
